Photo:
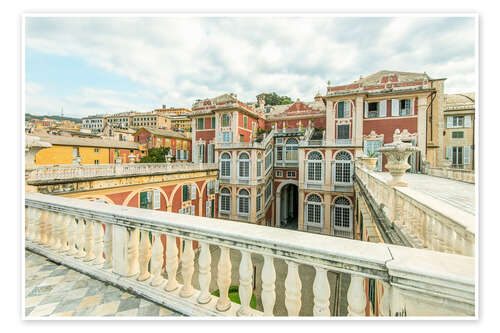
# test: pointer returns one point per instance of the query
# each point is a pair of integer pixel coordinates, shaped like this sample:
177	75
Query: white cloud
183	59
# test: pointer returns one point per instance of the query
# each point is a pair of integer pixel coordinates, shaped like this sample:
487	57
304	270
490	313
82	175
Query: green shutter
143	198
371	293
213	122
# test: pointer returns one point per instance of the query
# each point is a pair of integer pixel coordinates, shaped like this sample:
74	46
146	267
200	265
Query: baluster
187	269
204	276
49	229
384	305
72	236
245	288
80	238
99	243
321	290
293	288
65	221
172	263
108	246
157	260
37	215
356	297
268	278
144	255
57	229
453	241
89	240
223	279
133	251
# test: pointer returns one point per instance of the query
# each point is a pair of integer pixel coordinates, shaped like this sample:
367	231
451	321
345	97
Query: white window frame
291	174
314	164
241	162
239	200
222	162
341	227
258	201
279	173
222	197
316	205
156	199
342	163
293	147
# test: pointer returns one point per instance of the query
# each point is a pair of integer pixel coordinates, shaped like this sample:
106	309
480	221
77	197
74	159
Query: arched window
244	166
315	167
225	165
292	149
344	109
225	200
342	218
259	165
342	168
243	202
259	200
314	210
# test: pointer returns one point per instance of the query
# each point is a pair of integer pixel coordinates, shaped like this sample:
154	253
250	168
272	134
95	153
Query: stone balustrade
61	172
426	222
243	145
462	175
123	246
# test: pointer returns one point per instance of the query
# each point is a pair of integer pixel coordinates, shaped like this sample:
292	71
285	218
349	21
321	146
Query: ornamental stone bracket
397	154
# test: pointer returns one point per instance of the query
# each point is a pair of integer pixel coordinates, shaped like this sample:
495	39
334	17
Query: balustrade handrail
342	255
47	172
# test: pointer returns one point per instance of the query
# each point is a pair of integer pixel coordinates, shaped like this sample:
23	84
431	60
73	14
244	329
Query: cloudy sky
106	65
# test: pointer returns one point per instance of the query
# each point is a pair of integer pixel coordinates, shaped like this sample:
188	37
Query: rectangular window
225	168
146	200
279	153
373	110
343	131
258	203
243	205
314	171
245	122
404	107
292	153
227	137
213	122
457	156
279	173
96	150
242	138
291	174
96	161
340	110
259	168
185	193
225	120
200	123
225	203
314	213
457	135
244	167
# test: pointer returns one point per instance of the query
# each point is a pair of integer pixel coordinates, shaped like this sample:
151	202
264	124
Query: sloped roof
402	77
460	101
86	142
296	108
163	132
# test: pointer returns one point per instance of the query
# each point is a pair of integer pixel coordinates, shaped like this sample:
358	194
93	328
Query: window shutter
467	121
448	153
156	199
449	122
395	108
411	111
216	186
366	109
192	210
347	109
466	155
383	108
193	191
207	209
195	157
207	188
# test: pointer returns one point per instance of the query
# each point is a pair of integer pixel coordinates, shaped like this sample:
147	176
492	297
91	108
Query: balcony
67	172
111	244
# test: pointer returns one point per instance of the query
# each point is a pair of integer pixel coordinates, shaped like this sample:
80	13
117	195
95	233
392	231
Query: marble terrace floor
56	290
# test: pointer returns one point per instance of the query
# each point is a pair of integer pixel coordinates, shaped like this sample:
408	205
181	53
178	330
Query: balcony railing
112	243
425	221
467	176
242	145
60	172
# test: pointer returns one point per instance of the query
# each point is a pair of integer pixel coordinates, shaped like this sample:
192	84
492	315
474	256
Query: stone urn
397	154
370	162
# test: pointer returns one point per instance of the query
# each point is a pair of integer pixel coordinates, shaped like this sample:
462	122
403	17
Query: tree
156	155
275	99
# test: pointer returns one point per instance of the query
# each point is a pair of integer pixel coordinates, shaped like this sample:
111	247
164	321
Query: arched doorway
288	206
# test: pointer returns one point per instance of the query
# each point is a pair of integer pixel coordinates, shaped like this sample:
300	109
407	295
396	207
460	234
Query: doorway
289	207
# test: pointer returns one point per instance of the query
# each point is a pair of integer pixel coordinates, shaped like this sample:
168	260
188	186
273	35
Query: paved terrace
58	291
453	192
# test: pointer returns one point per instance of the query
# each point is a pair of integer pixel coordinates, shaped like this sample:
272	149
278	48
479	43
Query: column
330	134
284	205
327	226
300	221
278	209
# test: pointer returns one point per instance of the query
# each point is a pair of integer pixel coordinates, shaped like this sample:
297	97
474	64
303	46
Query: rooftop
87	142
163	132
